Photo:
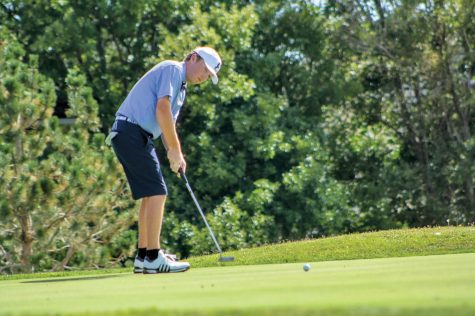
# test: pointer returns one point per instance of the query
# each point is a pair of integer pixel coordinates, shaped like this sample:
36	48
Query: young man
149	111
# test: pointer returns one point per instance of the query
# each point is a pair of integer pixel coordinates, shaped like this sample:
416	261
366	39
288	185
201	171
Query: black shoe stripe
164	268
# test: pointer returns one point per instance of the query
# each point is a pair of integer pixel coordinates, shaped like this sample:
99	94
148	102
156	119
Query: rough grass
382	244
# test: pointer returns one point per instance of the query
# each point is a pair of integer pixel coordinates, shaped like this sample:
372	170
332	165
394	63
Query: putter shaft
200	210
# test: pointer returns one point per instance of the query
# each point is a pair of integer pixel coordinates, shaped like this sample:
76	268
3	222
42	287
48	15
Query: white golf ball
306	267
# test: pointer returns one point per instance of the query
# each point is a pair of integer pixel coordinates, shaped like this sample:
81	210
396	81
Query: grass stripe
421	285
284	312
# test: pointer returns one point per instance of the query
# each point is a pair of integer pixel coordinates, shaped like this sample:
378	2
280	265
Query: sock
152	254
141	253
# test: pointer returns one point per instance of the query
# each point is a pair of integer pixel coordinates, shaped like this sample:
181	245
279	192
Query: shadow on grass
99	277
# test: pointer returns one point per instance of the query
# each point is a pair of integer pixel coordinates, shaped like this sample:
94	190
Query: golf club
221	258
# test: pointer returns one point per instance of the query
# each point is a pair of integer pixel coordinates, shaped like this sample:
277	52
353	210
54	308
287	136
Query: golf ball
306	267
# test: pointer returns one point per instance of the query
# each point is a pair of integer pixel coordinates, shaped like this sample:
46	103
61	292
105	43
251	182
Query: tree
416	67
60	182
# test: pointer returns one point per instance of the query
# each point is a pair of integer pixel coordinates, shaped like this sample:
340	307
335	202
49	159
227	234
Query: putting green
430	285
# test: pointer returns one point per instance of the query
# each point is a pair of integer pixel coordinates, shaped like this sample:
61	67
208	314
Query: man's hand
177	161
170	138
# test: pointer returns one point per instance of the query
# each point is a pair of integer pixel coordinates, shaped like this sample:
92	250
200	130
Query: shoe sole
152	271
138	270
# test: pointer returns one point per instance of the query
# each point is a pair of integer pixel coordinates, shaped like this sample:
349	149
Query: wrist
175	149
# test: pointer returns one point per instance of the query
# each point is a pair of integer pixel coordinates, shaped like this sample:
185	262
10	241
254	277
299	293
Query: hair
198	57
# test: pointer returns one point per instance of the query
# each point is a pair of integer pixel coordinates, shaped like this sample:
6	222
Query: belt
125	118
114	132
121	117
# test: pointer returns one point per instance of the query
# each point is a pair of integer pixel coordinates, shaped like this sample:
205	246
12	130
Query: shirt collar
183	74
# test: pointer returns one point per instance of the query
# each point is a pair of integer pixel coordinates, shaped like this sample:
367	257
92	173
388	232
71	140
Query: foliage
330	117
233	227
54	210
415	67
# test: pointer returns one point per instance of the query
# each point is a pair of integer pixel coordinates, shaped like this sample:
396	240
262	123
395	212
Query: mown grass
382	244
294	311
418	285
433	276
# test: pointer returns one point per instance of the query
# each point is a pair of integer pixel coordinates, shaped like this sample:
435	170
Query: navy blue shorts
136	152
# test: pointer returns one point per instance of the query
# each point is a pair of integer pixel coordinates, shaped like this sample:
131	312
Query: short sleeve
166	79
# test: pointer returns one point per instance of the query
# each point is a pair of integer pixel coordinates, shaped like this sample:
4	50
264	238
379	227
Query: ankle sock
152	254
141	253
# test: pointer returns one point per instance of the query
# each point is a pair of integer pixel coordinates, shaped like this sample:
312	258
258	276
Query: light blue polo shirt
167	78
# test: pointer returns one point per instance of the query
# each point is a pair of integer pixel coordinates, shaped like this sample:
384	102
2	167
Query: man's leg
153	218
142	224
142	246
156	261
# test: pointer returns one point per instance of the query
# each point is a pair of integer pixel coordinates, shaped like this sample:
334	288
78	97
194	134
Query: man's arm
164	118
164	142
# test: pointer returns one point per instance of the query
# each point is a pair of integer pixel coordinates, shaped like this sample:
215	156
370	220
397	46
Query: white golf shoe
138	265
164	264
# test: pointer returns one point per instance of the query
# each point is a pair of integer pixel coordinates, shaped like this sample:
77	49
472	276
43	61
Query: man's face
196	71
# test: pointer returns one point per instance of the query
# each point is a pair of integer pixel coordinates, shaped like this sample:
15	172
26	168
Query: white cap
212	61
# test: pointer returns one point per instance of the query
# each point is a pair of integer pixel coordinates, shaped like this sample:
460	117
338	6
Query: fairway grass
425	285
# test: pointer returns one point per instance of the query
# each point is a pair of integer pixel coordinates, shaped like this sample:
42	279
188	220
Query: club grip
182	174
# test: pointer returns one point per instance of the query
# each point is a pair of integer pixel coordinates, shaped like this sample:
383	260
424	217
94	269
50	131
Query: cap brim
214	76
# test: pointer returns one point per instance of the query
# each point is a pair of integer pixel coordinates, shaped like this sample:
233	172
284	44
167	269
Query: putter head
225	259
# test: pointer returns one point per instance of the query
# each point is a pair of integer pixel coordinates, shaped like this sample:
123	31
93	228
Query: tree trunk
417	137
60	266
464	121
26	241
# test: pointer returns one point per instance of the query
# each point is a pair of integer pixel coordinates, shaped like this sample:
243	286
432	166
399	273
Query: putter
221	258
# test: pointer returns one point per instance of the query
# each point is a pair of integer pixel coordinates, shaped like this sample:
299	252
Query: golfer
150	111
